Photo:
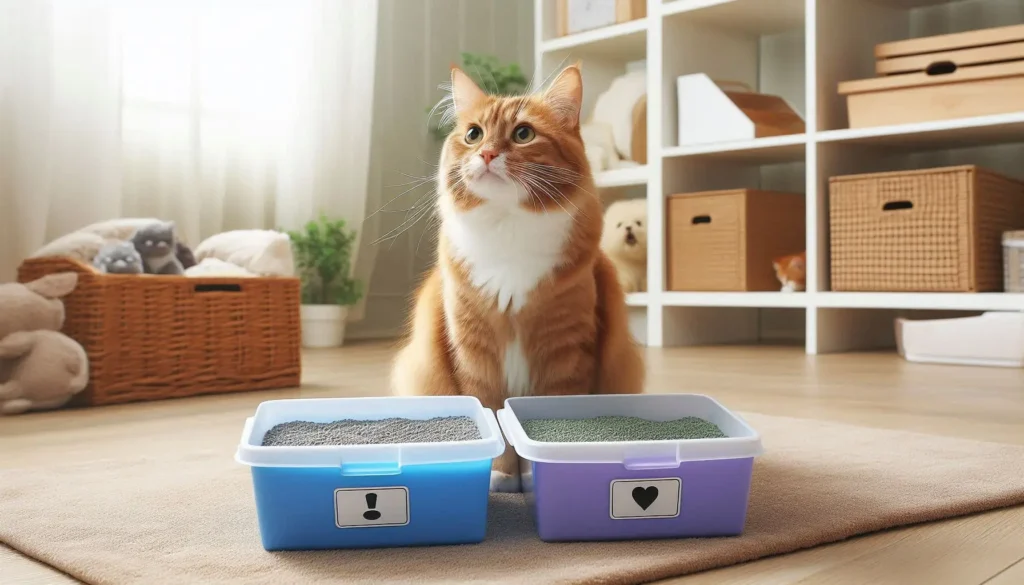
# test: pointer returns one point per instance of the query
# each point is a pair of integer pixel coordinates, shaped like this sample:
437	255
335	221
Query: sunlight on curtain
208	98
218	114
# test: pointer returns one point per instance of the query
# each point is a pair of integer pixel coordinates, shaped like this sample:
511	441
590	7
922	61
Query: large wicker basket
156	337
934	230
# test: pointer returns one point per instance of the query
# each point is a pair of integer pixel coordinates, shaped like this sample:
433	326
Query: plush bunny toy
40	368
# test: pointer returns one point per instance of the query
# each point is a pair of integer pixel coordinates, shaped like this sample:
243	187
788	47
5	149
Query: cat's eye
474	134
619	225
523	134
639	223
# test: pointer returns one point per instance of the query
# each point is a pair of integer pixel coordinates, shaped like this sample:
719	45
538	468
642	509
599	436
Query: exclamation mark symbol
371	503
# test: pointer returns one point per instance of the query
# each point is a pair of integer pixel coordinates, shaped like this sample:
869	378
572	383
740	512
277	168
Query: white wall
417	43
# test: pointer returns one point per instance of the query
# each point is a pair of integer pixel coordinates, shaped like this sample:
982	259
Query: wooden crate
932	230
575	16
727	240
155	337
959	75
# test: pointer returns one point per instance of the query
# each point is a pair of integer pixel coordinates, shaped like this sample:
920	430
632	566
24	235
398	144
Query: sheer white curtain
218	114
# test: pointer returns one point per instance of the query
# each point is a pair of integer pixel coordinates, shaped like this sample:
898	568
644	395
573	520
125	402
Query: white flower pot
323	325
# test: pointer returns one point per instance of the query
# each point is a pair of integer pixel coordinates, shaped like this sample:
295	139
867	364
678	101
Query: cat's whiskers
560	175
432	224
532	181
555	177
417	213
428	210
421	181
529	191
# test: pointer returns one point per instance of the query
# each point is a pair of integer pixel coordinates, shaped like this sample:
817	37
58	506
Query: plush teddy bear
40	368
624	241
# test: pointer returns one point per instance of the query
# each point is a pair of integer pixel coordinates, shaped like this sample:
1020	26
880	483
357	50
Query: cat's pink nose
488	156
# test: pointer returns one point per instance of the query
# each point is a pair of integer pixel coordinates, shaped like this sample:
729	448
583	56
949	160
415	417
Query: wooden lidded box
959	75
727	240
931	230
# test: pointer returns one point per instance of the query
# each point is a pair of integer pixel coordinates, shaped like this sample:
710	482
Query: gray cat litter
619	428
372	432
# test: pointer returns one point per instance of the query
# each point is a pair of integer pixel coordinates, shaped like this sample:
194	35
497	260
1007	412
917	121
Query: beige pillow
119	229
217	267
263	252
81	246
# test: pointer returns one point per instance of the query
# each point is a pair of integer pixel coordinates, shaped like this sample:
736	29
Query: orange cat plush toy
792	272
522	301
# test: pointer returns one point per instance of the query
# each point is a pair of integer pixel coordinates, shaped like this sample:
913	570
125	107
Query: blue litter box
360	496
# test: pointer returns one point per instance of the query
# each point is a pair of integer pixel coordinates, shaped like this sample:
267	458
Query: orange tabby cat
522	301
792	271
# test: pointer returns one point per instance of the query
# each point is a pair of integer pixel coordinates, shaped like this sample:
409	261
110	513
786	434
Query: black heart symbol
644	497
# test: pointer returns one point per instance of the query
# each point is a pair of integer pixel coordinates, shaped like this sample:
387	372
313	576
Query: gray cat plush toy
118	258
156	244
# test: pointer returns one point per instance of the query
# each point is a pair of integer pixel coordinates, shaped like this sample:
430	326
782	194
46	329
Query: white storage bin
991	339
1013	261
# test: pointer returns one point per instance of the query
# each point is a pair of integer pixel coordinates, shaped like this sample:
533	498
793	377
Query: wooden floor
876	390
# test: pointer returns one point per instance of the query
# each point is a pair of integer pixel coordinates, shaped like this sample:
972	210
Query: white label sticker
367	507
646	498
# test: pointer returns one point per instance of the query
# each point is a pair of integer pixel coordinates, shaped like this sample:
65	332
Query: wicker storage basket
726	240
156	337
934	230
1013	261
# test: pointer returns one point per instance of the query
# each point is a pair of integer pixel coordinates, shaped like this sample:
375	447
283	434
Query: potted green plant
491	75
323	260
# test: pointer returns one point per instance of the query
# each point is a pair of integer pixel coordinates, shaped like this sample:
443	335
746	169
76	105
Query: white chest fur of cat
507	251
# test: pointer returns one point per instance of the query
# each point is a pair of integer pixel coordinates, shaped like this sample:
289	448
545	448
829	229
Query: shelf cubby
751	42
799	50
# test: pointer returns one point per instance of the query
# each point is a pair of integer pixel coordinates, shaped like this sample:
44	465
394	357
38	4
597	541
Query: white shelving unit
800	50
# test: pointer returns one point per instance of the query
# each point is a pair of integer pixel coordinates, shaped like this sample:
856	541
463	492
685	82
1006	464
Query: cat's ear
565	95
465	93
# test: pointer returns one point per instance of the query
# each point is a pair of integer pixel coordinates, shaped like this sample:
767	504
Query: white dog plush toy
624	241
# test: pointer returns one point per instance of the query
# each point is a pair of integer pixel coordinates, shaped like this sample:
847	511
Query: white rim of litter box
632	454
384	458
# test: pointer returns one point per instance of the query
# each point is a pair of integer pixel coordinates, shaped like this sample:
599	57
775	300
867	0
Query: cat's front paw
504	483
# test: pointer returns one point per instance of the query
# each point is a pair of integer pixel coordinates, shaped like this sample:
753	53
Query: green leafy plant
490	75
323	255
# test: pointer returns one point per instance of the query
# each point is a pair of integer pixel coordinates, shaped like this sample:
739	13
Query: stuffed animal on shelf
624	241
40	367
615	136
791	271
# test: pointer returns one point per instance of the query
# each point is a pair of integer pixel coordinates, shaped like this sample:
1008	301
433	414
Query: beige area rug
187	515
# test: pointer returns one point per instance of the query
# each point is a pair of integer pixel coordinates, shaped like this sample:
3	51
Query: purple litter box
641	489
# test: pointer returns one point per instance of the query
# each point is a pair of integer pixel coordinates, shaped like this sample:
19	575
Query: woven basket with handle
930	230
155	337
